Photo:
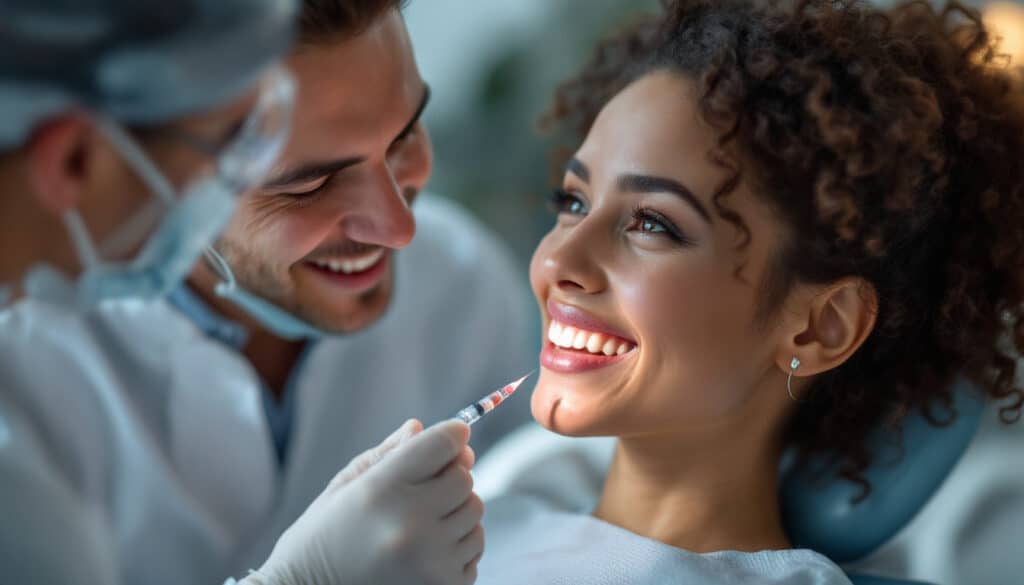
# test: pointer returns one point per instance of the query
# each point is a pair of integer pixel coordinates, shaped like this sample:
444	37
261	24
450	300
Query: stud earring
793	365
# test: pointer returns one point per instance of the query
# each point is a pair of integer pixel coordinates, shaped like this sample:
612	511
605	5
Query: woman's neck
703	499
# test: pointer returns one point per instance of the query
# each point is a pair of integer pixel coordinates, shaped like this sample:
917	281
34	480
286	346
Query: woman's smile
578	341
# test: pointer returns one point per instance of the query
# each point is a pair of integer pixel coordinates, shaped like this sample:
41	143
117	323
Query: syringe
478	409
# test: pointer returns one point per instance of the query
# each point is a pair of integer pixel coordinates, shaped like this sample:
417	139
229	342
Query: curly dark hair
891	143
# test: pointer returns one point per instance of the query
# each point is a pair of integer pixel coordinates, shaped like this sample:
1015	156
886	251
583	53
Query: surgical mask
187	222
273	318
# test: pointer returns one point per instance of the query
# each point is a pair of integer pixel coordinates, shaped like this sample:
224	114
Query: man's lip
346	257
580	319
359	282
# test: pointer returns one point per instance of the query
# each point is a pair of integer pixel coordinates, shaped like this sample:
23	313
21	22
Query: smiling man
338	302
319	240
343	299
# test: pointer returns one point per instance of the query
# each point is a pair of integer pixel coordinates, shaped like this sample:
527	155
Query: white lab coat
135	450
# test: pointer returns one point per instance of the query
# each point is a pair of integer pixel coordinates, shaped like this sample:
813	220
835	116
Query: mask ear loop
139	160
84	248
133	230
220	266
793	365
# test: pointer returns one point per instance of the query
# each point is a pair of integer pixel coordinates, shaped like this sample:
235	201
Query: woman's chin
561	410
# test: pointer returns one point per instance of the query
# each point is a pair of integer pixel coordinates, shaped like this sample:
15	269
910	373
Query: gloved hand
403	512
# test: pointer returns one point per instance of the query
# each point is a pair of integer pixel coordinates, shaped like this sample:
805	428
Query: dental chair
824	516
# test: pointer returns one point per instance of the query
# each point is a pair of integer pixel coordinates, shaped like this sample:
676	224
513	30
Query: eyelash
307	197
643	214
562	200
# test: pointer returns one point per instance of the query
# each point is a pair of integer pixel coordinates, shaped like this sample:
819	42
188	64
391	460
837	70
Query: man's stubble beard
260	279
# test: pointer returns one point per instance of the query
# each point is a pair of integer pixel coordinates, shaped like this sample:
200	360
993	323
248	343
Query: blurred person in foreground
128	131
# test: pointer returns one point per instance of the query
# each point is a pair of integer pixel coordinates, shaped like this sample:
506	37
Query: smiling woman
786	226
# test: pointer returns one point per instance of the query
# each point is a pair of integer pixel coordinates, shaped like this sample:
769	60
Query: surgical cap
140	62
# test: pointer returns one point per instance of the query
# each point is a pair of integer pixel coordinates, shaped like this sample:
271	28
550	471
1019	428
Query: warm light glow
1006	20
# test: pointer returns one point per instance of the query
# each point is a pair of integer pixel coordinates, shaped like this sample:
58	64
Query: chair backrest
819	509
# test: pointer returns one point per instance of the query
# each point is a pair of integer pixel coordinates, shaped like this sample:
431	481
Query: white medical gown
970	532
135	449
531	540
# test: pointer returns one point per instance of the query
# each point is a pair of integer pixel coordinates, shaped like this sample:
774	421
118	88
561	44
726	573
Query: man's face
318	239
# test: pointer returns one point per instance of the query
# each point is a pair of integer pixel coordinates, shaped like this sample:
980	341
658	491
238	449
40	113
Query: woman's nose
569	259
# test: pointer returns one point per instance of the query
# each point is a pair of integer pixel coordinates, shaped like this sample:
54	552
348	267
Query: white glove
403	512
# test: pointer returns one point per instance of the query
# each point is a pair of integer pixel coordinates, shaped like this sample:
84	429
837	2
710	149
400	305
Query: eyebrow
416	116
579	169
313	171
645	184
649	184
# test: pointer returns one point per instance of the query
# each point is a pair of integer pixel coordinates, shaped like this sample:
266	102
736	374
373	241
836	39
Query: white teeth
351	266
568	337
568	334
554	332
609	347
581	340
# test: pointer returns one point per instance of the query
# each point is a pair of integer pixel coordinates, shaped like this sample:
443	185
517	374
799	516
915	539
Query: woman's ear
60	155
830	326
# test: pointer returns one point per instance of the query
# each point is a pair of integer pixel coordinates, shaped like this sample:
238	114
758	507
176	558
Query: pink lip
359	282
580	319
567	361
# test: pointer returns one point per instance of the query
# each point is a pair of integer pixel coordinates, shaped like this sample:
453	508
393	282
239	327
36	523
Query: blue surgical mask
185	222
166	258
273	318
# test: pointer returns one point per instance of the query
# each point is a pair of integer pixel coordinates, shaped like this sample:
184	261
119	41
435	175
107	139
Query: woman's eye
651	226
563	201
650	222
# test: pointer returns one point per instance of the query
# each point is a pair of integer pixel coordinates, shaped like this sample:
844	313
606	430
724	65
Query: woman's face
649	326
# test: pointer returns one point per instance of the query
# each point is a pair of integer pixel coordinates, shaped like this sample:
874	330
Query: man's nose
379	214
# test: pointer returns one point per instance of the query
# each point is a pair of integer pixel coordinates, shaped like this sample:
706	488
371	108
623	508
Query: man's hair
331	20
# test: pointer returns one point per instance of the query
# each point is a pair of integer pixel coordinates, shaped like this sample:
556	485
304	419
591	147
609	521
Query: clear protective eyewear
240	164
251	150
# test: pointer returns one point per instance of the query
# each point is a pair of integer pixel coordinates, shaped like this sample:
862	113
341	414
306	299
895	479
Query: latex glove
403	512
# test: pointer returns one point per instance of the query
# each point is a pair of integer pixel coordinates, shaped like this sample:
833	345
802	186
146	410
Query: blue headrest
818	508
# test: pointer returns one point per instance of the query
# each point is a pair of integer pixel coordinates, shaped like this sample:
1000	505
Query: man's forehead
359	83
352	102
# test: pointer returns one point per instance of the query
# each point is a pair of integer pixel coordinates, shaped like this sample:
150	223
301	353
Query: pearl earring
793	365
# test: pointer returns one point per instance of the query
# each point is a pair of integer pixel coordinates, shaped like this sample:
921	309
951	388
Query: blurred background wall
493	65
